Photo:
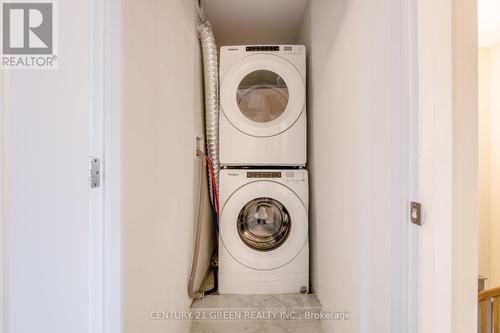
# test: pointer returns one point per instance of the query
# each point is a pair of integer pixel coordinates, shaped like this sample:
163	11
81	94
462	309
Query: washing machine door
262	95
264	225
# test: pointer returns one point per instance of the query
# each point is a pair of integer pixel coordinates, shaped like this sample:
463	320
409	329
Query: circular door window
262	96
263	224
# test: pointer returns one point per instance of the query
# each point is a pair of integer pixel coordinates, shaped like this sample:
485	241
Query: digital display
263	174
263	48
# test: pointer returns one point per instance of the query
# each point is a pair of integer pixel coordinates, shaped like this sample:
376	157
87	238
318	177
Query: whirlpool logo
28	35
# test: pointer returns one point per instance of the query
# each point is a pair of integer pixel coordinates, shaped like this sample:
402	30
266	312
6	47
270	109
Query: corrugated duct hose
210	65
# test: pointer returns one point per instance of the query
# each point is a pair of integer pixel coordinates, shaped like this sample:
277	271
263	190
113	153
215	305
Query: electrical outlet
199	145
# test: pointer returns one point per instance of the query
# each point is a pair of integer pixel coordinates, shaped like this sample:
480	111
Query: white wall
489	162
488	23
465	166
162	113
256	21
495	163
484	164
358	132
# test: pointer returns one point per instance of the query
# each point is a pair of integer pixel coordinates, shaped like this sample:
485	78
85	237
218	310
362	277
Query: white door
51	220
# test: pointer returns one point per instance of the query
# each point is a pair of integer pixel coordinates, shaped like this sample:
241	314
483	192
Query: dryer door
264	225
262	95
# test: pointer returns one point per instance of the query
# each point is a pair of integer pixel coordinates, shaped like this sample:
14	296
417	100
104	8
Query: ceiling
237	22
489	22
278	21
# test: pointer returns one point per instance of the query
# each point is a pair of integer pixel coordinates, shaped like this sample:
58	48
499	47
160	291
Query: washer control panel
263	174
294	176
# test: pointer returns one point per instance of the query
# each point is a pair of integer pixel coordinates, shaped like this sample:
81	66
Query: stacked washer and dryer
263	194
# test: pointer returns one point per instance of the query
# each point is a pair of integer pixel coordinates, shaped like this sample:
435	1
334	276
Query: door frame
447	184
435	166
105	118
4	86
112	169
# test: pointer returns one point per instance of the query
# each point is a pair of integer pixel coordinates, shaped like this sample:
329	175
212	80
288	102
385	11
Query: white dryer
263	232
263	105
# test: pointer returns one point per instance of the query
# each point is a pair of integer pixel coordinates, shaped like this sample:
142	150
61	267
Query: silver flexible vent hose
210	67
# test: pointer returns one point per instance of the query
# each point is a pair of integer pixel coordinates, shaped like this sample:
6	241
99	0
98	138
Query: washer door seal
264	224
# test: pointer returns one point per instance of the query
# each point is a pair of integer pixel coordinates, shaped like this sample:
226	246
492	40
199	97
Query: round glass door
264	232
262	96
263	224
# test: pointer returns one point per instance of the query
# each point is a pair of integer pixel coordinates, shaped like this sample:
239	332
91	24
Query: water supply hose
199	220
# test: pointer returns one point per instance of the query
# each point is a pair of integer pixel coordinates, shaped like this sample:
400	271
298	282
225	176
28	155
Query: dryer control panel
262	48
232	54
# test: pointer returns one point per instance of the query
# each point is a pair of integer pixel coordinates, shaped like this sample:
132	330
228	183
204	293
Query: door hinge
416	213
95	172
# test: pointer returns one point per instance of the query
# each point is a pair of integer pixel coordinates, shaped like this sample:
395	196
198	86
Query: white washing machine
263	232
263	105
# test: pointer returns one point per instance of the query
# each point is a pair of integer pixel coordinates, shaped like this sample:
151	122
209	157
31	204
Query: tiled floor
256	314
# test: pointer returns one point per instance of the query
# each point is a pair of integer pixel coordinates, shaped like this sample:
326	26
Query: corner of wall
465	165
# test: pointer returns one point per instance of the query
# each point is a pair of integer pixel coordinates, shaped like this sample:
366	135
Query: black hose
216	282
215	271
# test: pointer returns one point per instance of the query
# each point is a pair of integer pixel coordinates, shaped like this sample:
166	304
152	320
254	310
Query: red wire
212	176
216	194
